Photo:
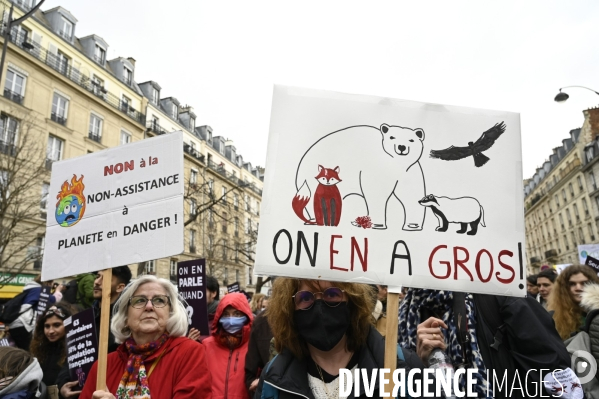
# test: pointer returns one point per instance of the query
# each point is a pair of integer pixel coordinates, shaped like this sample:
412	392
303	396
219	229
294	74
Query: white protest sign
115	207
384	191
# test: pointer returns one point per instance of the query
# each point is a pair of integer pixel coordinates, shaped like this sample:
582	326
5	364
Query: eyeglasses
159	301
55	311
332	297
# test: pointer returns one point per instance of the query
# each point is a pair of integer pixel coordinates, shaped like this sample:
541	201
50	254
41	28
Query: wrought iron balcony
155	128
95	137
193	152
58	118
73	74
66	35
100	59
12	96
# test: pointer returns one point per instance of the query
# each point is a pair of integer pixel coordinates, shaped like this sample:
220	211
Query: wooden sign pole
104	326
391	338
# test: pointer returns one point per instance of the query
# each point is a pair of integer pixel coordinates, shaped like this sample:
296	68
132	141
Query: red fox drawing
327	199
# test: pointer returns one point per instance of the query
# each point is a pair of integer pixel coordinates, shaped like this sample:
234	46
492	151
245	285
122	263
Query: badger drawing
464	210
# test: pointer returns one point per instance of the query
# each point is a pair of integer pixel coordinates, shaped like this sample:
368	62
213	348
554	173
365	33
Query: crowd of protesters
293	343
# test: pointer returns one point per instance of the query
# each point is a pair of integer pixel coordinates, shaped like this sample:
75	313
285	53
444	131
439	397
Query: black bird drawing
486	141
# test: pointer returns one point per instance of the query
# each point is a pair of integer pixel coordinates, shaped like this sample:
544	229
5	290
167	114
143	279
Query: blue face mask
232	324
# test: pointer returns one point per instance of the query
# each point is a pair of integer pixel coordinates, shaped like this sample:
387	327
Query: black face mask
322	326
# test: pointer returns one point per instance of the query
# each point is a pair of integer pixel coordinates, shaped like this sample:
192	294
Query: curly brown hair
281	309
39	342
567	313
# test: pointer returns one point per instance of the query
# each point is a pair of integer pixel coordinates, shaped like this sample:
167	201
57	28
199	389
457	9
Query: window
192	241
581	235
248	226
247	203
210	217
224	249
40	243
125	137
237	275
60	107
9	129
248	250
128	75
192	207
125	103
95	127
574	242
590	227
44	199
579	180
593	182
566	243
14	86
571	189
98	86
236	225
236	201
564	196
224	194
236	251
193	177
556	200
55	148
62	62
4	183
597	200
585	207
210	244
257	207
175	111
155	96
173	267
568	217
226	278
66	30
192	124
100	55
576	212
150	267
211	187
224	221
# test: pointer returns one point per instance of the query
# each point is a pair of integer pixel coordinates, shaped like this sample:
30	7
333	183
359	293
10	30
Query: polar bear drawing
378	164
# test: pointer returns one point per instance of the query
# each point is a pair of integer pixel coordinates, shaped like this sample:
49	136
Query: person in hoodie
228	345
155	359
20	375
21	329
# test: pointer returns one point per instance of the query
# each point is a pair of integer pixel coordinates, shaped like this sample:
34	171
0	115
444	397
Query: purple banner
191	279
82	344
233	287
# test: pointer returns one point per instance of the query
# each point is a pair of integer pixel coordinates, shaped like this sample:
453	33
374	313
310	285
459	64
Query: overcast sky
223	57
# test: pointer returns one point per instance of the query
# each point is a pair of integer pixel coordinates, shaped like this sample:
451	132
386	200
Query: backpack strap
269	391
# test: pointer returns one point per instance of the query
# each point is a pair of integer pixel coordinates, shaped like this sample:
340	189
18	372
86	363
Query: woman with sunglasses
155	359
320	327
48	343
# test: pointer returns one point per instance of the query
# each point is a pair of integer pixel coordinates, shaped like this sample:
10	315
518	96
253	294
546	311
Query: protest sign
592	262
586	250
384	191
115	207
191	279
233	287
82	344
42	303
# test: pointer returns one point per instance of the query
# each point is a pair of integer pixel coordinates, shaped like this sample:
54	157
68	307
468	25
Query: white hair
176	324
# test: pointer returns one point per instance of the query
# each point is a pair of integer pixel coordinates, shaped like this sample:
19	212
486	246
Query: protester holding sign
565	298
331	329
228	346
155	360
48	344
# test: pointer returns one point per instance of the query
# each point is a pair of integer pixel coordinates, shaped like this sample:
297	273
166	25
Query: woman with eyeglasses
48	343
565	297
320	327
228	345
155	359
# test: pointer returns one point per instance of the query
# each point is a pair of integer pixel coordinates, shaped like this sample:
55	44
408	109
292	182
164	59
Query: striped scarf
134	383
441	303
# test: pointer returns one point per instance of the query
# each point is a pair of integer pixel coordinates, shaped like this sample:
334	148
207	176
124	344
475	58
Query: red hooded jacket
181	373
227	365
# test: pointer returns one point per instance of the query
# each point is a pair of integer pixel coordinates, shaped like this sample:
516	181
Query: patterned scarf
441	303
134	383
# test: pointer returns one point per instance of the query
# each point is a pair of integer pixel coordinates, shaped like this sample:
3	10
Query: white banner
115	207
384	191
586	250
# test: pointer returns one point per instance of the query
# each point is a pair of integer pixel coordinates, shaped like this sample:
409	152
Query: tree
22	197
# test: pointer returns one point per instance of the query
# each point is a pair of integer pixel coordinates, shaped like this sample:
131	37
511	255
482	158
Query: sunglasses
55	311
332	297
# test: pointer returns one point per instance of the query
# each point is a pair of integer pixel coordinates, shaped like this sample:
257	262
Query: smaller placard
82	344
233	287
191	279
42	303
592	262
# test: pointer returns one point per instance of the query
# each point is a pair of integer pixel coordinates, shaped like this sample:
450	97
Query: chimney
131	60
594	122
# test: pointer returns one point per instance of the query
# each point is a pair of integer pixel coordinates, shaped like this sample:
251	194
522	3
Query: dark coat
290	375
258	349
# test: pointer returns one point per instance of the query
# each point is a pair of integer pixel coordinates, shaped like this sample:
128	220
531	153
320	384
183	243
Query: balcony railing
95	137
58	118
8	149
66	35
73	74
155	128
12	96
100	59
193	152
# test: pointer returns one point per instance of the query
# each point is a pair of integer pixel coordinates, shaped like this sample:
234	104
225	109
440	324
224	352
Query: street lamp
561	97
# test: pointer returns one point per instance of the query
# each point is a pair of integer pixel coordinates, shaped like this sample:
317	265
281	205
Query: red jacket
226	365
182	372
